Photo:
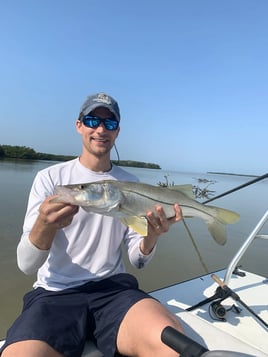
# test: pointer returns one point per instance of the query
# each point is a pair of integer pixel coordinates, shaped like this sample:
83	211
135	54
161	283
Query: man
82	290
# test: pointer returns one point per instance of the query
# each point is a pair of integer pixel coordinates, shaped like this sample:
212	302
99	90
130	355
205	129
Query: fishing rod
238	188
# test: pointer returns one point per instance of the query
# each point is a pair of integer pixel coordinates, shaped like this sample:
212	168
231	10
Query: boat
223	314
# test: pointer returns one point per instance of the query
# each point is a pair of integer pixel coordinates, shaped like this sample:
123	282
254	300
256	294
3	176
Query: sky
190	77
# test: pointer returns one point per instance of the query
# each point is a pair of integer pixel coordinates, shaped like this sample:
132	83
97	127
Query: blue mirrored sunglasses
93	122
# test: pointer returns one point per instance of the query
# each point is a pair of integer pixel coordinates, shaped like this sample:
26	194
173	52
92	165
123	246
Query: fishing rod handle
180	343
226	288
218	280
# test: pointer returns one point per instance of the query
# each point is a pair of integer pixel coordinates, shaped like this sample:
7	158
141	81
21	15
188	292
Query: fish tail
226	216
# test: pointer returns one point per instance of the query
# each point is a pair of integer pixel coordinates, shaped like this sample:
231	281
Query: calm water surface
175	259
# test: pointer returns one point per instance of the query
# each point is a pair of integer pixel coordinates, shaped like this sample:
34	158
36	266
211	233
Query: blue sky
190	76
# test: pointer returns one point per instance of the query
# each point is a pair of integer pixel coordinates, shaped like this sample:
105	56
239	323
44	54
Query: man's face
98	141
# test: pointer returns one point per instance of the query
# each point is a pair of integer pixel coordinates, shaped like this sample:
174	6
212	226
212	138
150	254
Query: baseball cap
100	100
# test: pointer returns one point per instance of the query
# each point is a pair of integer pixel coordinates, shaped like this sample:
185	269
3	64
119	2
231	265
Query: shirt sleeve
136	257
29	257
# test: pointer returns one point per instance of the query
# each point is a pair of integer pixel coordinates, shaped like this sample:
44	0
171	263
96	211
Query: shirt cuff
140	259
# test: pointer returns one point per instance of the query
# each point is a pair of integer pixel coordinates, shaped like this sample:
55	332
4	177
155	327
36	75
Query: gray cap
100	100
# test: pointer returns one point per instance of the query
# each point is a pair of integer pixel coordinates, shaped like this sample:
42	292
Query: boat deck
241	332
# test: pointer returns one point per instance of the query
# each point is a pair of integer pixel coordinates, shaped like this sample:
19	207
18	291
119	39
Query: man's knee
140	331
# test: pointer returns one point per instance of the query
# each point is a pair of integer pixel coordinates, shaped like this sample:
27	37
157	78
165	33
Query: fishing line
117	154
195	247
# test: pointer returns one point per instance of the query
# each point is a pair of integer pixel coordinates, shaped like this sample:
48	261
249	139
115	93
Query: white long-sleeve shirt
90	247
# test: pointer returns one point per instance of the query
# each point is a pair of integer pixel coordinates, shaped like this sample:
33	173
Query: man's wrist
145	248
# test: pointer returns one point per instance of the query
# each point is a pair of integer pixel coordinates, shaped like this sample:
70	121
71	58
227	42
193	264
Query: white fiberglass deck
241	332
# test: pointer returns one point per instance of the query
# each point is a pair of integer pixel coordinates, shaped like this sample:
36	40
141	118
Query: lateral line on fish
166	202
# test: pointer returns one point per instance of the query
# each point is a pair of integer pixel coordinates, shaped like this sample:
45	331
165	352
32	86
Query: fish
130	201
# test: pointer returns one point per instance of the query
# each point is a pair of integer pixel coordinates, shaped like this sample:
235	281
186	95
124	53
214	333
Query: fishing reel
223	292
218	310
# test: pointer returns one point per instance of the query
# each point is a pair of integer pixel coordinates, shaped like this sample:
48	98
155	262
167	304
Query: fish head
99	197
75	194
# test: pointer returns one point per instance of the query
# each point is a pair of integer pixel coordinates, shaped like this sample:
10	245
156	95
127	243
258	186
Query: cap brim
101	105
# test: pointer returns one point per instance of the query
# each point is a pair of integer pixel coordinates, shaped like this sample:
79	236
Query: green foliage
17	152
25	153
131	163
2	153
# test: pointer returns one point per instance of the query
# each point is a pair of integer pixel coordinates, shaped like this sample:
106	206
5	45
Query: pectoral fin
138	224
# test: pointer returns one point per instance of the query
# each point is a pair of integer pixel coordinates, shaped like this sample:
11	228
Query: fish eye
81	187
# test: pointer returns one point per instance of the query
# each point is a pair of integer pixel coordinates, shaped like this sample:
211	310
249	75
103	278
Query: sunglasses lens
93	122
110	124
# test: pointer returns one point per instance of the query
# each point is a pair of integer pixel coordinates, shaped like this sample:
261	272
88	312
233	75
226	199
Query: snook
130	201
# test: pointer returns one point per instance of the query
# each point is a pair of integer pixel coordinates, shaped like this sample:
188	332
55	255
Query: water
175	259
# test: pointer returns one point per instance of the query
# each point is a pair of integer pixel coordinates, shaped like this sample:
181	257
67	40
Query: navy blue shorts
66	319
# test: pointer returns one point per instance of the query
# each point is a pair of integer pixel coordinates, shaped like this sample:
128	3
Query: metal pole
243	248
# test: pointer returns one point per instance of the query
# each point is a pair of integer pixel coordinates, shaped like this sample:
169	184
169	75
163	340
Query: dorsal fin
187	189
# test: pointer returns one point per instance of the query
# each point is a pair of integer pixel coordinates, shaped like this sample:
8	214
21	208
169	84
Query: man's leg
30	348
140	331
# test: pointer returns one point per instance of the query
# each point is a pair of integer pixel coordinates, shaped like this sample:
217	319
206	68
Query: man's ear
78	125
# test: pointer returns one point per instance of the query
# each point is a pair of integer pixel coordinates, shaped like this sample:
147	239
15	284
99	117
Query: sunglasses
94	122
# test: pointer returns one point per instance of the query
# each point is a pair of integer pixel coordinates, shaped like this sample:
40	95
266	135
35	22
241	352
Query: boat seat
91	350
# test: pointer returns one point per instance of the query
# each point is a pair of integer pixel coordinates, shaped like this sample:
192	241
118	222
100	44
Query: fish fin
216	226
187	189
138	224
217	231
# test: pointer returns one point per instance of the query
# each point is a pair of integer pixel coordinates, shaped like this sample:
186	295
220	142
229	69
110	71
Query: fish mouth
65	194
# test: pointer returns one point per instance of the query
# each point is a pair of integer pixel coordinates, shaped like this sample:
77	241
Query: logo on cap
103	98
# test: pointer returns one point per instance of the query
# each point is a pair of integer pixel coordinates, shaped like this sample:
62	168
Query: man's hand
52	216
158	224
57	215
